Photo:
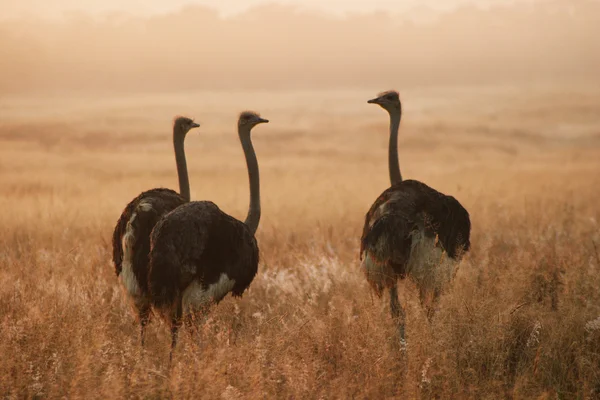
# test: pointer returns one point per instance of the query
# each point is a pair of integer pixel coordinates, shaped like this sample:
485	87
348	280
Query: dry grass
522	318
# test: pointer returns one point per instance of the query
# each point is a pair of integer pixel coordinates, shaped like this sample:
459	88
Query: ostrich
409	230
199	253
131	237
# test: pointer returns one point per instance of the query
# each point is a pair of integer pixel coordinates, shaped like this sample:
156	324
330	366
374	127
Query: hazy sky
276	47
53	8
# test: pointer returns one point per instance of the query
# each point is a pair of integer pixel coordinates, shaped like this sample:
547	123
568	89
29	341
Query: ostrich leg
144	313
397	313
175	324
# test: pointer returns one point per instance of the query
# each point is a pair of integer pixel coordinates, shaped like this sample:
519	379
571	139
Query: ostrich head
182	125
389	101
249	119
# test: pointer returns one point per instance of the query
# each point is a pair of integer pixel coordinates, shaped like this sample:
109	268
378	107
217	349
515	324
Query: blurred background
143	46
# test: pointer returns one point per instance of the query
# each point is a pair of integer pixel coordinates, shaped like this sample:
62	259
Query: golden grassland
521	319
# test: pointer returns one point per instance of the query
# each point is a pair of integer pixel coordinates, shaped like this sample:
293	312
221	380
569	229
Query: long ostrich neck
394	164
182	173
253	217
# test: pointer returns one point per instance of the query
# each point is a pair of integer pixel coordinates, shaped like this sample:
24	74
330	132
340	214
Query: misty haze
280	47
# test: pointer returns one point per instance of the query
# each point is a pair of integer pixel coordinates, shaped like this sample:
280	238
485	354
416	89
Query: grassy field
522	318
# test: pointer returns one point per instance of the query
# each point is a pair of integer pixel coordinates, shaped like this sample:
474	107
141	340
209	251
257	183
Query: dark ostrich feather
199	242
405	208
161	201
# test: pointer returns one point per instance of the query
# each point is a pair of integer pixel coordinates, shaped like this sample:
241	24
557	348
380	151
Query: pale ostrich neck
394	163
182	173
253	217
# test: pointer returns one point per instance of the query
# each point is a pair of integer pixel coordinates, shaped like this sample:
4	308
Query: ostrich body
131	237
411	230
199	254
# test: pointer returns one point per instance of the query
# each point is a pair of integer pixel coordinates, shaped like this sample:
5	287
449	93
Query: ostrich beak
195	125
262	120
373	101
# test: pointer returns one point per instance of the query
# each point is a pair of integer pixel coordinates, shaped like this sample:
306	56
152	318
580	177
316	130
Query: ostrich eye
389	97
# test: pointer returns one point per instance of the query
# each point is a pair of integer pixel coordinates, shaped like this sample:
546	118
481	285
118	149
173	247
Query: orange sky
276	47
11	8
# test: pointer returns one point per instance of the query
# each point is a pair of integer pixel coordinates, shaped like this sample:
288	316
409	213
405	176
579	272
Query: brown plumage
411	230
397	218
199	254
131	236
